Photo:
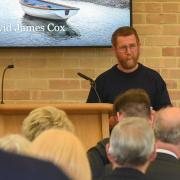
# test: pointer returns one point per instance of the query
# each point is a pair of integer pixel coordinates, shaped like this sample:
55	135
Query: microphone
92	83
85	77
2	84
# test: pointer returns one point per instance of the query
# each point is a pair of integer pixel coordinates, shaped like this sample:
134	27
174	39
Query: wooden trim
85	107
105	124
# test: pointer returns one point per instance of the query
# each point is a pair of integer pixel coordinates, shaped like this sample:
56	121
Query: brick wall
49	75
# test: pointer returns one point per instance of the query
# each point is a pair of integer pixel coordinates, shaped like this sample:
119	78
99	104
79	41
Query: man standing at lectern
128	73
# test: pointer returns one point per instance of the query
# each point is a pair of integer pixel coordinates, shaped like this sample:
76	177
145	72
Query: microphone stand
93	85
2	84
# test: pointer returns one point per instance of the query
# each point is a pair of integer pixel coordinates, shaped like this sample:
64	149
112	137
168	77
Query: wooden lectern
91	120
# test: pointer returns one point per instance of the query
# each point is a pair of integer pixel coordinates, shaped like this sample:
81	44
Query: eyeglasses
124	49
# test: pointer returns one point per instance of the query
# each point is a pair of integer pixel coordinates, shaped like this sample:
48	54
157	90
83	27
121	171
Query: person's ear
110	158
119	116
108	154
107	151
152	118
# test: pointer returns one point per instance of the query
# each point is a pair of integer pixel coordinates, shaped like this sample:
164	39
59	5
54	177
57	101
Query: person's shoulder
98	152
101	144
148	69
108	72
23	166
164	165
151	72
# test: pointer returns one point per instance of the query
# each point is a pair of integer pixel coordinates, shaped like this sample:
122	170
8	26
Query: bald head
169	117
167	125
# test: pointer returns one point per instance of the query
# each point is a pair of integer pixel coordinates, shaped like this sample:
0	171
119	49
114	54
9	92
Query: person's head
65	150
133	102
167	128
126	45
44	118
15	143
132	143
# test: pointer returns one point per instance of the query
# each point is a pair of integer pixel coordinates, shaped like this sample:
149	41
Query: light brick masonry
49	75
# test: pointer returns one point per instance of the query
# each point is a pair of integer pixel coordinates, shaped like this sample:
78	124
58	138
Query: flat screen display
62	23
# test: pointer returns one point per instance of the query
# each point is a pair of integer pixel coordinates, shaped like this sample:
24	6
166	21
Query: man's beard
128	64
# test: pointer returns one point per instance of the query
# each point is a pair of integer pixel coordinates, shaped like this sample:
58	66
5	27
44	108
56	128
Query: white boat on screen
48	10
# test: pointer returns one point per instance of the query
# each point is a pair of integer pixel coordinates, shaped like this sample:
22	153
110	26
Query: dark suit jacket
98	159
125	174
15	167
165	167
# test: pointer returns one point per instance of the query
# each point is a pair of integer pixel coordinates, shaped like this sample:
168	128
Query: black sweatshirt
114	82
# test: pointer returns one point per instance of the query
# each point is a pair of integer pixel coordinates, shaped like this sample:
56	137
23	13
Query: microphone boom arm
92	83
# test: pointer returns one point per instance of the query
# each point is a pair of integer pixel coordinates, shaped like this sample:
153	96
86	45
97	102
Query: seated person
131	149
167	132
134	102
65	150
44	118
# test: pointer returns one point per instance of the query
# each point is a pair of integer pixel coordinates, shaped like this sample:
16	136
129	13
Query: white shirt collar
167	152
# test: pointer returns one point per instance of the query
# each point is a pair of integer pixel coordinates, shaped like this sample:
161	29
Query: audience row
143	144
